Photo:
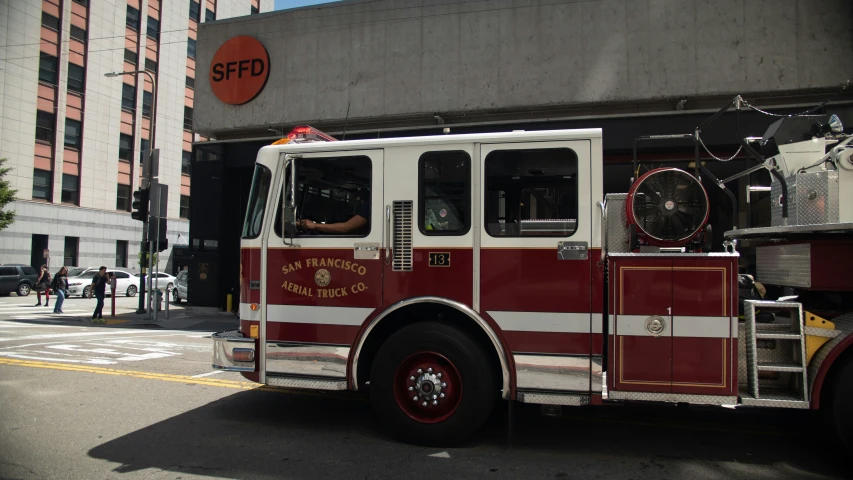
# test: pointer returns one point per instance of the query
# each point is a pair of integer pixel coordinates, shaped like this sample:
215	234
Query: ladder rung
777	336
779	367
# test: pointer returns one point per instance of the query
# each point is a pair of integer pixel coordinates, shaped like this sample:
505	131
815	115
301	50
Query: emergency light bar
305	134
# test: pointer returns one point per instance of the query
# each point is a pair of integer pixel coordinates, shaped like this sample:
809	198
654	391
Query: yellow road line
131	373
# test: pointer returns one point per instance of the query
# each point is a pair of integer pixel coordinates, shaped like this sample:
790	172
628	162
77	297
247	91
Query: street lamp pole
146	184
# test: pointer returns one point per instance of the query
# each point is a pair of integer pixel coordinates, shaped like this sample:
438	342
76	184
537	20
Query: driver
358	223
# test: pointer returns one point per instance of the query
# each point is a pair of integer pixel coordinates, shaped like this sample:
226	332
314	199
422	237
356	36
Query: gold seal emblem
322	277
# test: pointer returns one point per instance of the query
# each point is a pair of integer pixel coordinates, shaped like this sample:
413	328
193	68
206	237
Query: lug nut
443	385
412	378
420	370
415	398
441	395
429	369
435	402
424	404
434	397
411	389
438	375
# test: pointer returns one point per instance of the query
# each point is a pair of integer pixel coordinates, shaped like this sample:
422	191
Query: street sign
46	253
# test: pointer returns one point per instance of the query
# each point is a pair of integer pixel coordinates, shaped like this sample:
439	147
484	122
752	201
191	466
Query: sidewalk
186	318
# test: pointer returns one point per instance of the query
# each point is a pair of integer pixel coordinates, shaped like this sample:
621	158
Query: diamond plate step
774	399
779	367
777	336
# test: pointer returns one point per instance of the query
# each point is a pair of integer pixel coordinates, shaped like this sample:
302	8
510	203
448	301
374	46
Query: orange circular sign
239	70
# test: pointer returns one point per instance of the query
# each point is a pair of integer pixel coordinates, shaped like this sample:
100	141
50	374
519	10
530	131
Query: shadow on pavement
271	434
204	323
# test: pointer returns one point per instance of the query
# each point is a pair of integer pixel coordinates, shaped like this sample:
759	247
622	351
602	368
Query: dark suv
17	278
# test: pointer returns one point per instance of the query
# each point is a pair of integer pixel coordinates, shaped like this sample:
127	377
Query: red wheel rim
427	387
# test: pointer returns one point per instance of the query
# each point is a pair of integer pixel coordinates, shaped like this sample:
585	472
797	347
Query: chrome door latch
572	251
366	251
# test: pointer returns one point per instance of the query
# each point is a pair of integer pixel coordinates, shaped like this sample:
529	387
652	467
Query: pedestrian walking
43	286
99	288
59	285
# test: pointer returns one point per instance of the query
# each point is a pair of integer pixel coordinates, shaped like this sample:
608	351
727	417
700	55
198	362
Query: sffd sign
239	70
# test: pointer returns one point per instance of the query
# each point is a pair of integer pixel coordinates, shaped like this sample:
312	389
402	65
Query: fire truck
443	274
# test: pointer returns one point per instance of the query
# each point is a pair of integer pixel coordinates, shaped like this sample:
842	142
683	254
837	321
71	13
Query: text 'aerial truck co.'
443	274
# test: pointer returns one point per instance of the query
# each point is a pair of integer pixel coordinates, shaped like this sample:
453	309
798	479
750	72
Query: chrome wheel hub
426	387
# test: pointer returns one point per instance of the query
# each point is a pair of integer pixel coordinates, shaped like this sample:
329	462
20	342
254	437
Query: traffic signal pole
145	184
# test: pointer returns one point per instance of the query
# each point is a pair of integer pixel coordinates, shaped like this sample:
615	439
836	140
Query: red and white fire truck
445	273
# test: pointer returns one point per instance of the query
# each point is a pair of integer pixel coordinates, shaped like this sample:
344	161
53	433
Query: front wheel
432	384
131	291
175	297
85	292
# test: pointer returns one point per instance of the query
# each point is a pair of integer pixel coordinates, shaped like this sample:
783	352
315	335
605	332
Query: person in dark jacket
43	285
99	287
59	285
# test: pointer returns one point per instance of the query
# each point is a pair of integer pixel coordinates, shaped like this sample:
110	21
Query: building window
72	245
125	147
153	29
49	21
254	11
190	82
123	198
191	48
147	98
73	133
70	188
143	150
82	2
209	15
76	78
531	193
47	68
186	162
188	118
195	10
121	253
78	33
130	56
42	183
444	187
45	122
150	65
128	96
185	206
132	20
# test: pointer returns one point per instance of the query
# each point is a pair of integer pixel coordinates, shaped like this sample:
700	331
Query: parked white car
126	284
164	281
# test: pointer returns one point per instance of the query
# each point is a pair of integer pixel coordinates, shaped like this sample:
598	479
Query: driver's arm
353	224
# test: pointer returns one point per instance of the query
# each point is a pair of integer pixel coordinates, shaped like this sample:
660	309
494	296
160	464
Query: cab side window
531	193
444	185
331	190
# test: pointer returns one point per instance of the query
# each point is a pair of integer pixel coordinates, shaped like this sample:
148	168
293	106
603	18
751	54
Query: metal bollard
167	303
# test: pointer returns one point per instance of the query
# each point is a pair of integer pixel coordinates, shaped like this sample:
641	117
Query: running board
552	398
306	383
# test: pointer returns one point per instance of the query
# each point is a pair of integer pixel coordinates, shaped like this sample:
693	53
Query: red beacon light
304	134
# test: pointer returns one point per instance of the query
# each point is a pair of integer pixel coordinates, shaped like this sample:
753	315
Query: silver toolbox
617	223
813	199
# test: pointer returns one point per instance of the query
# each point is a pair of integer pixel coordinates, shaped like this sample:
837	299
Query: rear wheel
23	290
131	291
432	384
175	297
842	403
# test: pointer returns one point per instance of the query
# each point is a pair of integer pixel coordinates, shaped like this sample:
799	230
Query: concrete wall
406	57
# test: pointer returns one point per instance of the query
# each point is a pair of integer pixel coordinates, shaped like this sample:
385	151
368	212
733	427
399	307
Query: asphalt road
84	401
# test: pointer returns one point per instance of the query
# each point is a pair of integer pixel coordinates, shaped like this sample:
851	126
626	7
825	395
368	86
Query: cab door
535	268
428	207
322	285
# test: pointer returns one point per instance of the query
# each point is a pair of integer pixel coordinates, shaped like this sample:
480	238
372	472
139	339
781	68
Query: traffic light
163	243
140	205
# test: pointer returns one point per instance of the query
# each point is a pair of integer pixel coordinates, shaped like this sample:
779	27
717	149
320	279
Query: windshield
76	271
257	202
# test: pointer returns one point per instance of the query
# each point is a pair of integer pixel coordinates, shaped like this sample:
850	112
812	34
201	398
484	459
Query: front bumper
225	344
75	290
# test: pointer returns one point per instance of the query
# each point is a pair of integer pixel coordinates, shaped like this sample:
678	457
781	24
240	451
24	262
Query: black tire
131	291
841	406
477	390
175	297
24	289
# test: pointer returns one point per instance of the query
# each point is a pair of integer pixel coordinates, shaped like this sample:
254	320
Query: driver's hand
309	225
